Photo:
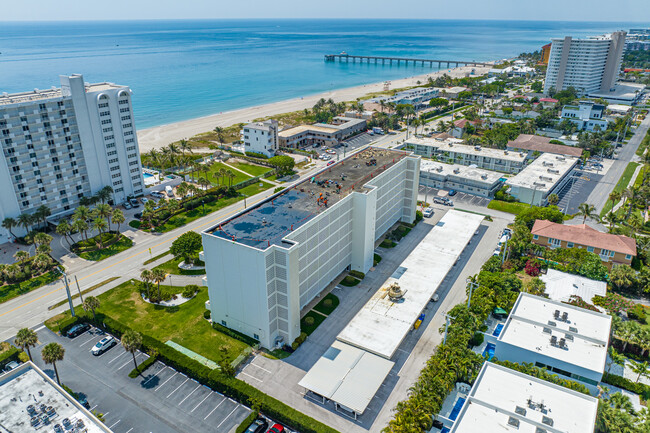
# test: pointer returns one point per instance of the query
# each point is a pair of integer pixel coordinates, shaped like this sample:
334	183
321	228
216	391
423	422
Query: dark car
258	426
138	215
452	192
77	330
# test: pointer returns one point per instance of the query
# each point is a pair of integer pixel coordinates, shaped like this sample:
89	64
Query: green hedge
236	335
8	356
621	382
247	421
357	274
377	259
142	367
349	281
387	243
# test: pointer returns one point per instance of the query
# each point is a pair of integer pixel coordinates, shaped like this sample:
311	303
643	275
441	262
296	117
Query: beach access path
160	136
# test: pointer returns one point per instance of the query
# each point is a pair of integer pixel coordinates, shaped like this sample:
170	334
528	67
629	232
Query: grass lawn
154	258
214	168
88	290
327	304
183	324
123	244
253	170
621	185
11	291
171	267
510	207
307	325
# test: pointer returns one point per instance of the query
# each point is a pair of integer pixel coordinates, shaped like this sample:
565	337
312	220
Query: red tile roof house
460	125
536	143
612	249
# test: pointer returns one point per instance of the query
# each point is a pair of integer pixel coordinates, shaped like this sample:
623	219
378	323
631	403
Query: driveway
163	400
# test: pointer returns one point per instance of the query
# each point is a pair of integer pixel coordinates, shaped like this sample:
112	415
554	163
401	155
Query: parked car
497	252
438	200
12	365
331	151
452	192
77	330
103	345
127	205
157	194
277	428
428	212
507	232
144	200
134	202
259	426
331	163
138	215
435	297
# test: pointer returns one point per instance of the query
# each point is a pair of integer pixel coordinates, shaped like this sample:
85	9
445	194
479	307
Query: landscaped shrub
302	337
142	367
613	302
256	155
419	216
206	314
241	428
621	382
349	281
8	355
234	334
309	320
637	313
190	290
477	339
376	259
387	243
357	274
532	267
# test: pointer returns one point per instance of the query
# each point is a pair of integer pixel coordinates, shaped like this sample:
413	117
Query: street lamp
472	285
170	279
67	289
203	205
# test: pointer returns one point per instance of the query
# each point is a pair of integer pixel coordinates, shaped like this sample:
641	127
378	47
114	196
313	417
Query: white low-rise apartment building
507	401
588	65
326	134
261	137
565	339
267	262
461	178
418	97
544	176
587	116
453	151
65	143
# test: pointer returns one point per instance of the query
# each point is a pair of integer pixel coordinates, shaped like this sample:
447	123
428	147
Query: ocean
180	70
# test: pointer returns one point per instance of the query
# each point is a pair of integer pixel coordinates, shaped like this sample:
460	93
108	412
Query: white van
169	190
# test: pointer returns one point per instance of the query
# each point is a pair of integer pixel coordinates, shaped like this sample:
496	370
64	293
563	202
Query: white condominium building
268	262
588	65
65	143
261	137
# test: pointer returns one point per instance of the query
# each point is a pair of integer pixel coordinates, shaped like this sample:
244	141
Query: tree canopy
186	246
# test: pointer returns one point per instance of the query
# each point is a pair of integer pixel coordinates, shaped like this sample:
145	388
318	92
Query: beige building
321	134
612	249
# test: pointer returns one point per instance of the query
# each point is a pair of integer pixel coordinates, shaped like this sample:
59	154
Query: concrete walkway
621	203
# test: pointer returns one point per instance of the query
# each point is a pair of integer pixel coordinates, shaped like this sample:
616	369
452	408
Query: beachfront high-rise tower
588	65
65	143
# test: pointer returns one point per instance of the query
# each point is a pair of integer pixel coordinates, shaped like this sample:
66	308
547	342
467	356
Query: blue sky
556	10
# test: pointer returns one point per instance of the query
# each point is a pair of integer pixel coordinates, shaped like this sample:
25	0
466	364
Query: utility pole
78	289
444	341
67	289
505	250
472	285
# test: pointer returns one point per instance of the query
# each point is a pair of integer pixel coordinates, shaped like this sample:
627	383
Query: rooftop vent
553	170
505	151
563	343
560	158
556	314
553	340
484	176
540	430
439	168
573	329
520	410
513	422
539	183
546	178
552	323
548	421
395	293
547	164
565	316
547	330
456	170
568	337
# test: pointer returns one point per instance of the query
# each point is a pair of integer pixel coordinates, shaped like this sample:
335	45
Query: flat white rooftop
464	171
28	387
504	400
623	92
455	145
543	173
560	286
52	93
533	322
382	324
348	376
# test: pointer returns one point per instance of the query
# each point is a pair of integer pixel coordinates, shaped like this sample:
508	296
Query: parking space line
129	430
177	388
91	409
92	337
215	408
206	397
189	394
163	384
117	357
124	365
261	368
111	427
145	382
224	420
252	377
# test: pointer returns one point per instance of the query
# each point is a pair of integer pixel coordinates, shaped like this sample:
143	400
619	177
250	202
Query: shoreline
160	136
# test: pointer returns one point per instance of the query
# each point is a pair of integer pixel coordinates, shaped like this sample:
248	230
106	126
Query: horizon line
316	19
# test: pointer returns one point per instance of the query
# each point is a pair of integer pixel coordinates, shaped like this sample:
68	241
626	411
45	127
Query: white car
331	151
103	345
428	212
144	200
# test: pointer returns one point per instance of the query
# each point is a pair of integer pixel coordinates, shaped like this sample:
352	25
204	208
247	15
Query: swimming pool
497	330
147	175
489	351
457	407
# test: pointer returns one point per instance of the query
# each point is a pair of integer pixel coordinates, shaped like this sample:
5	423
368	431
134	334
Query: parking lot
458	198
162	400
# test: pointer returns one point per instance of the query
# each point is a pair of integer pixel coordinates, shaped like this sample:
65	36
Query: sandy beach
160	136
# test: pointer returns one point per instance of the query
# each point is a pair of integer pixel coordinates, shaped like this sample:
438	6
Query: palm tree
64	229
41	238
21	256
231	176
104	211
585	210
41	213
173	206
641	369
9	223
382	105
158	276
42	261
553	199
25	220
131	341
52	353
91	303
81	226
204	182
118	218
147	277
100	225
26	339
219	131
615	197
11	271
612	218
82	212
615	358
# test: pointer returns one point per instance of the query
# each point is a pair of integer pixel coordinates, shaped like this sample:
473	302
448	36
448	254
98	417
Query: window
255	336
103	105
112	152
535	237
548	421
554	242
109	129
26	203
59	176
604	252
128	133
590	249
106	122
628	257
569	245
133	163
126	117
123	101
127	125
104	113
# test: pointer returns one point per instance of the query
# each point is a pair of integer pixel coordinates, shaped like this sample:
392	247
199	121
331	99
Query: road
626	154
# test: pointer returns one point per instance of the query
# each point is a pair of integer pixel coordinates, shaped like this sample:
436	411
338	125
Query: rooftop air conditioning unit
456	170
505	152
539	183
546	178
560	158
484	176
554	171
477	147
